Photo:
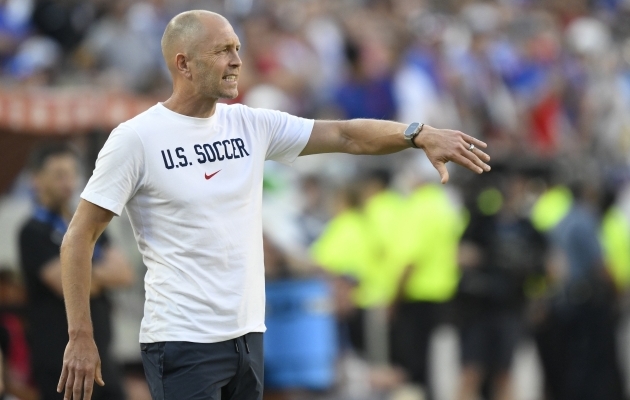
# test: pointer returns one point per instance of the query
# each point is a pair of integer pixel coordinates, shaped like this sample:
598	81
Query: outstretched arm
366	136
81	362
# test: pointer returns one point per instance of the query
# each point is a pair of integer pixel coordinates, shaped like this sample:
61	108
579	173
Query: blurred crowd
534	77
538	249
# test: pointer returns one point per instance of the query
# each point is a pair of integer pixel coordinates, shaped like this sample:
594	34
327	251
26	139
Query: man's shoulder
244	112
136	123
234	110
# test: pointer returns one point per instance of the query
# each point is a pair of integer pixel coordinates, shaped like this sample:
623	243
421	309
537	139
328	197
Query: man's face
215	64
56	182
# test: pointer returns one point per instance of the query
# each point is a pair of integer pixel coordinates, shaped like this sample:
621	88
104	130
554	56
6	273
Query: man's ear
182	64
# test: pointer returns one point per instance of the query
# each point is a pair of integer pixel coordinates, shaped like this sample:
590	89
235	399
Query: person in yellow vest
427	239
345	249
383	214
359	243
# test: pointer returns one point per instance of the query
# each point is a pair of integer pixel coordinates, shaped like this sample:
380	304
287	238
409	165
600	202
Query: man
189	171
55	178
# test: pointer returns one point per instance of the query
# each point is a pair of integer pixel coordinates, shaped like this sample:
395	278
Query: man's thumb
441	167
99	375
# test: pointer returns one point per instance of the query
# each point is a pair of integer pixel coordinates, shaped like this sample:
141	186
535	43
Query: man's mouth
230	78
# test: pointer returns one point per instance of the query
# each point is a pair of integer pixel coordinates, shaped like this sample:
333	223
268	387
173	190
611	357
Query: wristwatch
412	131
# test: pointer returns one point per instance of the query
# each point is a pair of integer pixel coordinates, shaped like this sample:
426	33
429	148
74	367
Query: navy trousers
227	370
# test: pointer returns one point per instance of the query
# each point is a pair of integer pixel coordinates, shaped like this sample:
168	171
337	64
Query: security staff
429	239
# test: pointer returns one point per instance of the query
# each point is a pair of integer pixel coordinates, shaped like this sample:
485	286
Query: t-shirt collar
185	118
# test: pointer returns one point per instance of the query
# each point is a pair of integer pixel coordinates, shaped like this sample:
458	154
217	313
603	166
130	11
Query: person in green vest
427	240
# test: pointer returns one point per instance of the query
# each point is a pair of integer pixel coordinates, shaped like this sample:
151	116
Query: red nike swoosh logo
211	175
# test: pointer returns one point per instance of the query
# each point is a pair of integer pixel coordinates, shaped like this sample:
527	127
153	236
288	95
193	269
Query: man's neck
191	106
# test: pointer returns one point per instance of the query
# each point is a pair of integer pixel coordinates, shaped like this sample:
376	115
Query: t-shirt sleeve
118	172
286	134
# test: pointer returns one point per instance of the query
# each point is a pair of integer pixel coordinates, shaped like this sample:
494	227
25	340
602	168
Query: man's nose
236	60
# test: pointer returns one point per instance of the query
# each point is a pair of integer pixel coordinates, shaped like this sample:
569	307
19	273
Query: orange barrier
67	111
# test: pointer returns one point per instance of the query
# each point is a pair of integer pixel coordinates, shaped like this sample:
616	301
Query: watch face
411	129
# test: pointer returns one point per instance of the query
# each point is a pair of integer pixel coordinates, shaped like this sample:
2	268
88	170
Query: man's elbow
355	148
66	245
351	144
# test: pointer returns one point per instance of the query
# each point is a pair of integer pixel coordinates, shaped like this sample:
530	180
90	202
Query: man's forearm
76	275
368	136
372	136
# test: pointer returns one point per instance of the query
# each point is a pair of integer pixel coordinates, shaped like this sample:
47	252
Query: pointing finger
482	156
476	142
464	162
472	156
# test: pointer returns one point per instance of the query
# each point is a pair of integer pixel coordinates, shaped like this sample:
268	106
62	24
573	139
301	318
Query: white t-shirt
193	192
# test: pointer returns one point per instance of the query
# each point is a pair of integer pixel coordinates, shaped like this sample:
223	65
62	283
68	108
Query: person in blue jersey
189	172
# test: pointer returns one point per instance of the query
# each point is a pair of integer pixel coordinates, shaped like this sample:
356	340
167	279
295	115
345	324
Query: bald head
186	30
201	52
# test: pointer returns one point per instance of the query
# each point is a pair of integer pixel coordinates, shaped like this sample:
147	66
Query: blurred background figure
314	215
427	236
499	253
578	339
345	249
16	362
55	179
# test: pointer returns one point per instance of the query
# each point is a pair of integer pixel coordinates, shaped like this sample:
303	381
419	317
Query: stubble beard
212	89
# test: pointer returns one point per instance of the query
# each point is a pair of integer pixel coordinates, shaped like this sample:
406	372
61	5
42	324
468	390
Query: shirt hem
187	337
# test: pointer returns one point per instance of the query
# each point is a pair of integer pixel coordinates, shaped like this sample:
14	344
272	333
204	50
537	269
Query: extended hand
81	367
444	145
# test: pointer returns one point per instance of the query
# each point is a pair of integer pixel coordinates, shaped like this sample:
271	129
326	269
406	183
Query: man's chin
229	95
